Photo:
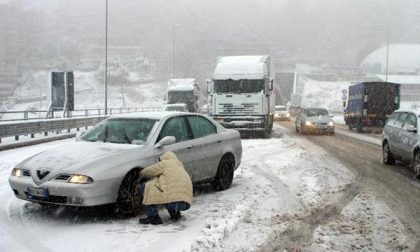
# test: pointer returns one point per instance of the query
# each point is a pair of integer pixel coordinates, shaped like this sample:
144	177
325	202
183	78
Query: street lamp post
173	51
106	58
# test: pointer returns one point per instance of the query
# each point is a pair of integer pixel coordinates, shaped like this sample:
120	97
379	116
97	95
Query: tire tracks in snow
389	184
299	235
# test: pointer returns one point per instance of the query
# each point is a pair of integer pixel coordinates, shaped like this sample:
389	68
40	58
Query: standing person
170	186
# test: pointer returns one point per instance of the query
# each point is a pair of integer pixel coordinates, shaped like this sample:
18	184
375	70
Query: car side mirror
271	86
411	128
165	141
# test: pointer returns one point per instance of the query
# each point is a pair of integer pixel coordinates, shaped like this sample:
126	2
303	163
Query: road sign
344	97
344	92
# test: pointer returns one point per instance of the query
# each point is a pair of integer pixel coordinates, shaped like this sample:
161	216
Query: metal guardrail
32	126
42	114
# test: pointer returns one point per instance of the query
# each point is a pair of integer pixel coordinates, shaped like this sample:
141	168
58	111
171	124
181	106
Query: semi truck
183	91
370	104
240	94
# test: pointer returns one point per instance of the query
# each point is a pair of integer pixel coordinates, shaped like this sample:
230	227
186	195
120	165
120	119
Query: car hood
319	119
76	158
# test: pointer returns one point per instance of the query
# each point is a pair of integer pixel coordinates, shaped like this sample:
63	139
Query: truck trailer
241	94
370	104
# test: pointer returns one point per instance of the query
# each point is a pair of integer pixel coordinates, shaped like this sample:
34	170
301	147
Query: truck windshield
180	96
238	86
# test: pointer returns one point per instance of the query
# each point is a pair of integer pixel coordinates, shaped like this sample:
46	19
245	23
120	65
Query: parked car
281	113
401	139
315	120
181	107
103	165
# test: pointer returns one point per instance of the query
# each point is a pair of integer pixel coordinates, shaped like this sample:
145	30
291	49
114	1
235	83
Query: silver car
314	120
401	139
281	113
103	165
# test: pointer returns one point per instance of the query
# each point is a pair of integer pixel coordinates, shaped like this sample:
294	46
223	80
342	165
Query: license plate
38	192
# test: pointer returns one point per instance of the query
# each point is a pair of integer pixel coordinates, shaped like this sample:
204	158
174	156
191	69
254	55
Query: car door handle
189	147
219	141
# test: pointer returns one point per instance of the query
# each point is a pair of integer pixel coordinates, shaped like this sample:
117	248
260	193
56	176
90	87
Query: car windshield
316	112
121	130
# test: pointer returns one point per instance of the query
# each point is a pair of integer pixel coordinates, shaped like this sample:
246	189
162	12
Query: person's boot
154	220
175	215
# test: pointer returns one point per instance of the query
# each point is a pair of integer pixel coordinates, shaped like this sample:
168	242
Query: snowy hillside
89	93
323	94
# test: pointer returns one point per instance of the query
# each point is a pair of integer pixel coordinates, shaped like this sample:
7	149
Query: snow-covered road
282	197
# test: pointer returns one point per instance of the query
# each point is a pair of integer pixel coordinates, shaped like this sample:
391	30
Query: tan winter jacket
170	182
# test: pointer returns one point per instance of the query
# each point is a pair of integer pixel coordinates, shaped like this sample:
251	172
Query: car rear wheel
129	199
302	129
387	157
224	175
416	164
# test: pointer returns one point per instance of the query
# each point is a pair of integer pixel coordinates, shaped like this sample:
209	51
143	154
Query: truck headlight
331	124
17	172
80	179
308	123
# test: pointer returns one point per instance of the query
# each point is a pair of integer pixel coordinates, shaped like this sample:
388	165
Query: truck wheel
359	126
416	164
224	175
267	133
387	157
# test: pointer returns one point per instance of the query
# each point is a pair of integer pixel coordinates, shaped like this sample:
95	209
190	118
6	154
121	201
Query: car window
391	120
401	119
201	127
411	120
176	127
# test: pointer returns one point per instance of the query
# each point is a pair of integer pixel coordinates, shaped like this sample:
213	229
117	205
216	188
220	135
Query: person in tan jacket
169	185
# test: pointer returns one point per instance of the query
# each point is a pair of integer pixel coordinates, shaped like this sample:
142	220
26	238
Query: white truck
183	91
240	94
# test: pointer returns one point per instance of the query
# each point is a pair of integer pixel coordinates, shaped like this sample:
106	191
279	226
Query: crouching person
169	185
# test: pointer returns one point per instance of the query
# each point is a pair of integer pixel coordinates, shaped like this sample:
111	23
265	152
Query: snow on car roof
181	84
241	67
157	115
414	111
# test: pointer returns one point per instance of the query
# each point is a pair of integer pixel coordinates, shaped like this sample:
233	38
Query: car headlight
288	114
17	172
80	179
308	123
331	124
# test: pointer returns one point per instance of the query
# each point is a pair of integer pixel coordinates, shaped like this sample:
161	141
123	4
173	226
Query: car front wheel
129	199
416	164
387	157
224	175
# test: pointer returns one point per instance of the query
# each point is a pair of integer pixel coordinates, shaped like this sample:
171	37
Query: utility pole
106	58
387	56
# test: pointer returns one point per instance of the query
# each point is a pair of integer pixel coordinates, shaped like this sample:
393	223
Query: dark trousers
173	207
